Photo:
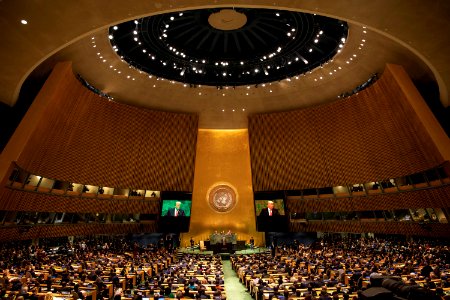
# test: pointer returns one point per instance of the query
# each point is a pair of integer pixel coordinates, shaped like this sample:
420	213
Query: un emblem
222	198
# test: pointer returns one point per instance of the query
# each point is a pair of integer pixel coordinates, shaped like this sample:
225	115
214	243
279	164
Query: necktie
176	212
270	212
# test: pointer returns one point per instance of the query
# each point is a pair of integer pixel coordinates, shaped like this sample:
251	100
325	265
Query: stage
224	255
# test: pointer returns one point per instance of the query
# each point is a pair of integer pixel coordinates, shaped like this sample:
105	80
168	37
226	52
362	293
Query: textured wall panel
45	231
16	200
372	135
437	197
411	229
88	139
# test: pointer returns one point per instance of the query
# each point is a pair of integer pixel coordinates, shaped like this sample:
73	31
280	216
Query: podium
223	243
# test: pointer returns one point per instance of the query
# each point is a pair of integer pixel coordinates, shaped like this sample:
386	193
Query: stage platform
196	250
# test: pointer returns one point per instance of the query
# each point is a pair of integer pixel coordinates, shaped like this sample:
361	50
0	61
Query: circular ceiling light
246	39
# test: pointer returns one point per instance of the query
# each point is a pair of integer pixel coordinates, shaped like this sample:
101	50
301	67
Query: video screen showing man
269	211
176	211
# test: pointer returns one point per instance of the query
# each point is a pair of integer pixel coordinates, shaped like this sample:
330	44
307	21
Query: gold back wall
222	159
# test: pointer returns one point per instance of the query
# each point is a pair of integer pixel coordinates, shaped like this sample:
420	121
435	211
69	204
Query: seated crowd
342	268
116	269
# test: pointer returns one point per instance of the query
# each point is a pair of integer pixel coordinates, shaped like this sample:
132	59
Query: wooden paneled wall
437	197
84	138
372	135
19	200
408	228
44	231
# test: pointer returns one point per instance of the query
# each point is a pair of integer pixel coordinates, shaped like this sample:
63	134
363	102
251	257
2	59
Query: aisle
234	289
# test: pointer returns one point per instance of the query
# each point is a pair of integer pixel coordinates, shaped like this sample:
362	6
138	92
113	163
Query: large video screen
261	207
176	208
271	215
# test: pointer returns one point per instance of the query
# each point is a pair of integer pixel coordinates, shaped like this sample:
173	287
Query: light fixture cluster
351	58
184	48
246	90
233	110
330	66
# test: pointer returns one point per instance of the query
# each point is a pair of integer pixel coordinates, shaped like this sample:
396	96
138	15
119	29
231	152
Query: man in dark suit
176	211
269	211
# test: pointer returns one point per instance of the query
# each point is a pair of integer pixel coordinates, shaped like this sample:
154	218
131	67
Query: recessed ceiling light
24	22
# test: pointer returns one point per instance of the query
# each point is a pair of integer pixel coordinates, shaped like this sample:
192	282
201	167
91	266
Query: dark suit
265	212
171	212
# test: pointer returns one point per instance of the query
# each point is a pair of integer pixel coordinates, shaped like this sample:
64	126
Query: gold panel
222	158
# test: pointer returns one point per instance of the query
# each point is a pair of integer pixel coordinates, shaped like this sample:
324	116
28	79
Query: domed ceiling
219	37
228	47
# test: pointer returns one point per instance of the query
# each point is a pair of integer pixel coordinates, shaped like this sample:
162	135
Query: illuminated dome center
227	19
228	47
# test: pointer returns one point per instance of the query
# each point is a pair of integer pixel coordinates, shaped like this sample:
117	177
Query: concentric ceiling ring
228	47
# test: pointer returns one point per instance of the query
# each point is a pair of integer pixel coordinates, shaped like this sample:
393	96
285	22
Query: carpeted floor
234	289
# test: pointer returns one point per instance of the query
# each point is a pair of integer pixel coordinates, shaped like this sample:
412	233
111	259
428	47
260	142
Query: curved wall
45	231
375	134
84	138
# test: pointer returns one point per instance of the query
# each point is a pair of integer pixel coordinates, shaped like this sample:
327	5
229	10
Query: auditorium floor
233	287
